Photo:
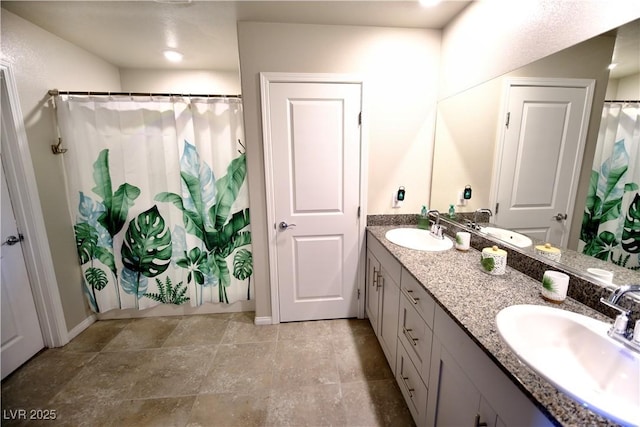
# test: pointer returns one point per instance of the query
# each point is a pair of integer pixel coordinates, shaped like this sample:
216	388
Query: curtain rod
622	100
56	92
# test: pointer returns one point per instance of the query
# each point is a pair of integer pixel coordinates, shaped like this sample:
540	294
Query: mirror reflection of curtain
611	222
158	197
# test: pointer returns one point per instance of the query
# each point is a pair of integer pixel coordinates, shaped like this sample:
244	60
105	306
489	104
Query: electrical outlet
461	201
395	203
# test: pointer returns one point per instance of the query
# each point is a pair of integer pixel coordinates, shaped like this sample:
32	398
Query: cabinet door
501	402
458	401
372	290
388	321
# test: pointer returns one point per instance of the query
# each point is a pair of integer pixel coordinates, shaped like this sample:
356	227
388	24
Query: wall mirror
470	125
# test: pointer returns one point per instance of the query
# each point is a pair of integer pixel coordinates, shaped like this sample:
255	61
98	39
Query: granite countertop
472	298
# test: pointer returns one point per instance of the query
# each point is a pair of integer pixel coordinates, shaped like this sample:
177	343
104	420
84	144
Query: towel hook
56	149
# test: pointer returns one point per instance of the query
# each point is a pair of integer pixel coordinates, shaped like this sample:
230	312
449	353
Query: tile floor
211	370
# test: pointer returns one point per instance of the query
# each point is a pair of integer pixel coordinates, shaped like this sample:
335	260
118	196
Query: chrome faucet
436	228
617	294
474	224
618	330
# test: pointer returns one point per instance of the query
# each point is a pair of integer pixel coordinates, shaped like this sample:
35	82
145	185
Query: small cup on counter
494	260
463	240
554	286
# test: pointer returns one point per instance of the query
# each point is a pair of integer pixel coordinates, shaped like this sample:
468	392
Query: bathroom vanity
434	315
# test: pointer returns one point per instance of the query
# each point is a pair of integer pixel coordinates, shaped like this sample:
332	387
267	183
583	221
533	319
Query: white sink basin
574	353
516	239
416	238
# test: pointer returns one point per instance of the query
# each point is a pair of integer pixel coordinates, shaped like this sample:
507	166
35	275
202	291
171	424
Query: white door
314	138
21	335
542	146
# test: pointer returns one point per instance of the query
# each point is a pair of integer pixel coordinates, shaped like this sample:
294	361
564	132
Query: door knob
559	217
283	225
12	240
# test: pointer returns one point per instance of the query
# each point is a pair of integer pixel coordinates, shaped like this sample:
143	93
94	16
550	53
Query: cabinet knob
407	333
478	423
380	282
413	299
406	384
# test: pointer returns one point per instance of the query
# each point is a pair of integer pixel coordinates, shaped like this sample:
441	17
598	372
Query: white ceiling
133	34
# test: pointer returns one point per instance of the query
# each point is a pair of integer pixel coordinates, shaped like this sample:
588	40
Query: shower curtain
158	198
611	221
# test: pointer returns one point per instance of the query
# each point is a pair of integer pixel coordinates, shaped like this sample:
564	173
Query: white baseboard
263	320
178	310
78	329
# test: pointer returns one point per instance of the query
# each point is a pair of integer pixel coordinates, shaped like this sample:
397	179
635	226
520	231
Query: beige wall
399	67
490	38
180	81
466	132
467	127
42	61
628	88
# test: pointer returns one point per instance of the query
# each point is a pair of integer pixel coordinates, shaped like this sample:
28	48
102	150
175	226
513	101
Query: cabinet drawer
412	387
416	336
387	260
418	296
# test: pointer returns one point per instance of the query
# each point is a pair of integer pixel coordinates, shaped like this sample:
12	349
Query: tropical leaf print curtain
611	221
158	197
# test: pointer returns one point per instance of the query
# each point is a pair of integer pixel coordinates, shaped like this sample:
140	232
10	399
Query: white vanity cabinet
383	297
444	376
415	323
415	334
472	390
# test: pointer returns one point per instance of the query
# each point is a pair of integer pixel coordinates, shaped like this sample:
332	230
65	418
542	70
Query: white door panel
21	335
317	158
541	153
322	257
315	146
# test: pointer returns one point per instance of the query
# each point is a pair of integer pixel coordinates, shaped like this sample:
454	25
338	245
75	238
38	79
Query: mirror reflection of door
539	155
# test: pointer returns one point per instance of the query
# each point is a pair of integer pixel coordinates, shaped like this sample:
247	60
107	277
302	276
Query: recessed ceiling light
612	65
173	55
429	3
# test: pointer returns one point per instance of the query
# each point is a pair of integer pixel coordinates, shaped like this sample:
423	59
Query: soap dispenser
423	219
452	211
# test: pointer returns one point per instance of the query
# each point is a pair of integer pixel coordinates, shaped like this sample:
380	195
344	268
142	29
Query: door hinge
508	118
360	118
358	293
358	211
497	208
